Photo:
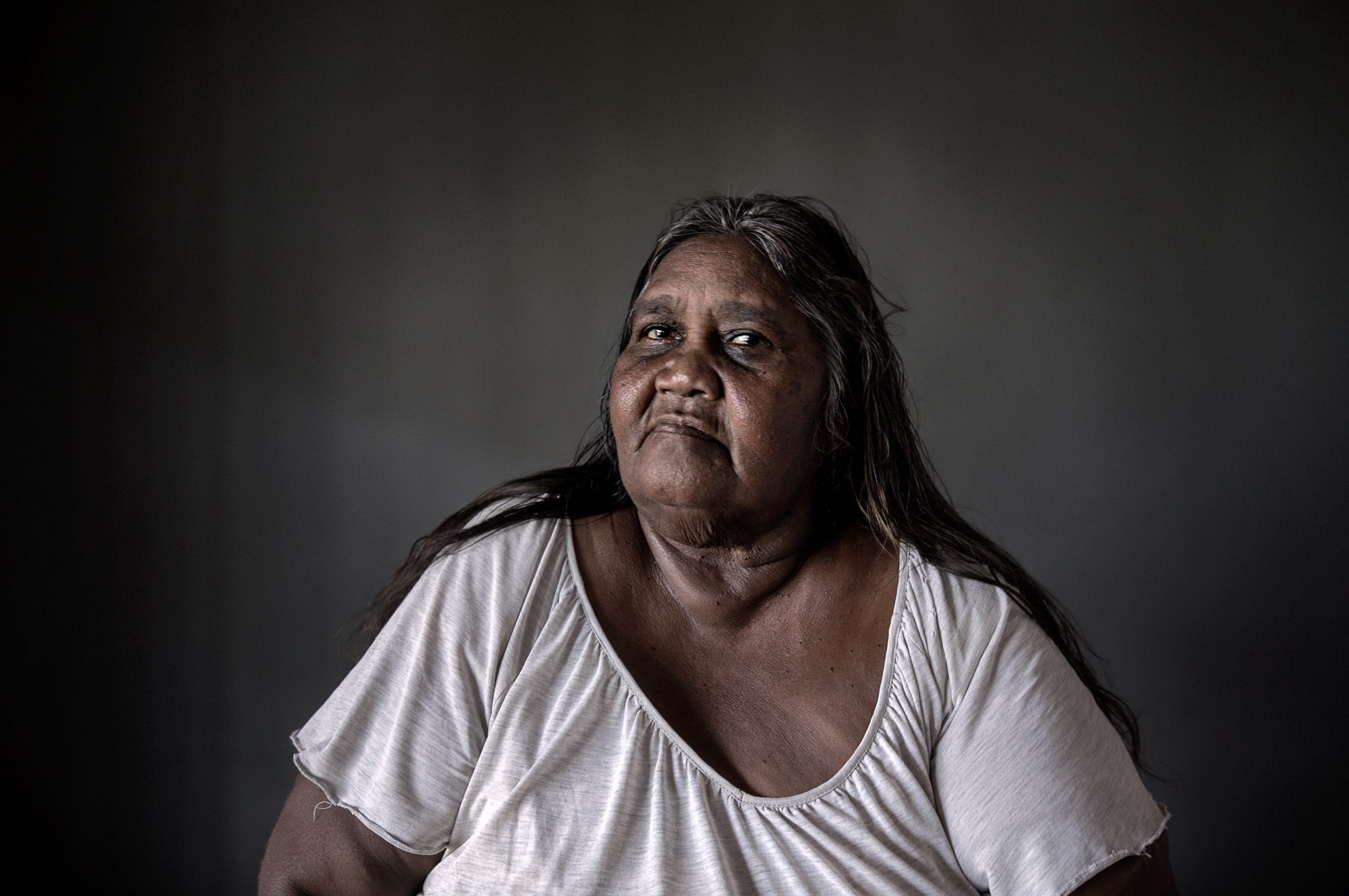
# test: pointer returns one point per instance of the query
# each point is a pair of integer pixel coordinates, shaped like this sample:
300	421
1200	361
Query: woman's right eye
656	331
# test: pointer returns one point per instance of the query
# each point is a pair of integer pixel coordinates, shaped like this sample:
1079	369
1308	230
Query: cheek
777	432
792	423
626	401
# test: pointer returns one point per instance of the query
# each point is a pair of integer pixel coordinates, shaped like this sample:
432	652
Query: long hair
875	471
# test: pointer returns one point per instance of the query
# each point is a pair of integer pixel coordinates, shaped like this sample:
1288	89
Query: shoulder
967	645
942	597
504	559
953	621
478	593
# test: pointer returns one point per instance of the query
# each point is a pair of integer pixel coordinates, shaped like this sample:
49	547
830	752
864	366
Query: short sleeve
398	740
1035	787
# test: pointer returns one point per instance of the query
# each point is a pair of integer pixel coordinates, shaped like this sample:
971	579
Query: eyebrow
742	312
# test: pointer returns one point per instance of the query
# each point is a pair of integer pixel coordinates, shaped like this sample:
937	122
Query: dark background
295	280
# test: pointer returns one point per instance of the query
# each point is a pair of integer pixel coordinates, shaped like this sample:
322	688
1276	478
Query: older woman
744	645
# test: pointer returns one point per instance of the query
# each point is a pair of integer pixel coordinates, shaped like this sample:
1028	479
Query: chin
699	527
703	521
675	483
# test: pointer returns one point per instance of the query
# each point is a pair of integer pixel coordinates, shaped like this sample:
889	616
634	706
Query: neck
720	578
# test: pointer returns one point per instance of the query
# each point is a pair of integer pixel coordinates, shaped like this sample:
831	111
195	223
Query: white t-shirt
492	721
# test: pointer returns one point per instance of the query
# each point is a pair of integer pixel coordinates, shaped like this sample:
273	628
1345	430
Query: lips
680	425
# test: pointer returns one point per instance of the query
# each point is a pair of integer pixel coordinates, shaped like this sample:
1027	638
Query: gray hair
865	431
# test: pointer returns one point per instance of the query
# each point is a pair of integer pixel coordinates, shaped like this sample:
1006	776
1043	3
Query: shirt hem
334	801
1099	866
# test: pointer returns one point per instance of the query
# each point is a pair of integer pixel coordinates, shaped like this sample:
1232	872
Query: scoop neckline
834	781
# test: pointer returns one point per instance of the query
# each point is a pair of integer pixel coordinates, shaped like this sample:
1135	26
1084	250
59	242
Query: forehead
721	264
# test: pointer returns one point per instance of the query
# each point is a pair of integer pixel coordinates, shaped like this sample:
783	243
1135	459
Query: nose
688	372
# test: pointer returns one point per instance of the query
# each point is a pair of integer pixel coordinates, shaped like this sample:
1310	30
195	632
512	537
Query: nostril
688	374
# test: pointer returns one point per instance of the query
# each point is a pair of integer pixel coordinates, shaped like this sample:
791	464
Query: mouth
683	426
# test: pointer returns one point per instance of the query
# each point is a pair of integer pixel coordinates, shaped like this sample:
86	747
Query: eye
747	338
656	331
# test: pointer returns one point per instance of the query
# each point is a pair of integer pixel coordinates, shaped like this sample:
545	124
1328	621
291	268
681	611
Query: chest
773	691
584	792
776	704
776	712
579	778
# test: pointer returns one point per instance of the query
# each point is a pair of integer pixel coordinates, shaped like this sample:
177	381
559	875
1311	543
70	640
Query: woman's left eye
747	339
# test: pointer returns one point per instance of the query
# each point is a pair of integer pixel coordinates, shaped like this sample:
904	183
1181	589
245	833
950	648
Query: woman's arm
329	852
1145	875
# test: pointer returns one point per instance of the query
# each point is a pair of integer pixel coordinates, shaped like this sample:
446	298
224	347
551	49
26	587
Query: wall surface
298	279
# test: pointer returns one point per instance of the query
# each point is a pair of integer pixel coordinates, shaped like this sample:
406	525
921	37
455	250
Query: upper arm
1144	875
329	851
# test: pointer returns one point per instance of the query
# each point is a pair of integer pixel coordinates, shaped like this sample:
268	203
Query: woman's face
716	397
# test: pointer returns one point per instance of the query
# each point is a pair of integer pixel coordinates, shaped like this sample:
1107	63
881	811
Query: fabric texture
492	721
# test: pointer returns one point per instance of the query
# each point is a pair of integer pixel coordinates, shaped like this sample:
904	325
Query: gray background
298	279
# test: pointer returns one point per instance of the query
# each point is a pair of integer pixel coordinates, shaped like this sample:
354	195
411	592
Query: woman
744	645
